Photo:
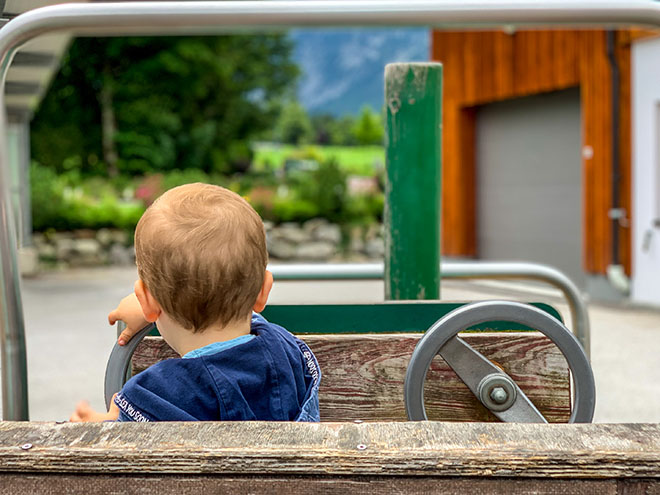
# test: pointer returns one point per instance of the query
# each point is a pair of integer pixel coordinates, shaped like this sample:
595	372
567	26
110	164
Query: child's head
201	252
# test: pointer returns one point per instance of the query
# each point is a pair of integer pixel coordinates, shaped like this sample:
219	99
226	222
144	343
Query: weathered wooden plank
363	375
56	484
490	450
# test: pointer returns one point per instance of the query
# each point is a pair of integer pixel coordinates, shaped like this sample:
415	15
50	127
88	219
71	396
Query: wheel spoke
472	367
468	364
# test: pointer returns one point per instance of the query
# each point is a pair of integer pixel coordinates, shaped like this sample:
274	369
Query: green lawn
358	160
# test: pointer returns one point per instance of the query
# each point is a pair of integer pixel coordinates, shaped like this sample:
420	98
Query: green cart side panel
399	317
377	318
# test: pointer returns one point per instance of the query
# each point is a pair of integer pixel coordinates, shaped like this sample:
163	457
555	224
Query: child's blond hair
201	251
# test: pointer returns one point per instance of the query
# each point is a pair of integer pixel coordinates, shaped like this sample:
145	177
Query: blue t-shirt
269	375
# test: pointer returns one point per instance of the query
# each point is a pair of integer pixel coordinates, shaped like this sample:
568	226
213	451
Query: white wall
646	171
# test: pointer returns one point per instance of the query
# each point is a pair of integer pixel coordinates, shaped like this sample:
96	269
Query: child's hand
130	312
84	413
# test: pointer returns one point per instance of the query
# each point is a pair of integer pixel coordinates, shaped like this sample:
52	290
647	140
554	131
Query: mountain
343	68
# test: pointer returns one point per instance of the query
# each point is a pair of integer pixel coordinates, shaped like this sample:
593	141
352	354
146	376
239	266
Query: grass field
358	160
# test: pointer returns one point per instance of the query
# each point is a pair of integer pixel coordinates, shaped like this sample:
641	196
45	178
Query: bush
69	201
66	202
365	208
47	196
294	210
327	189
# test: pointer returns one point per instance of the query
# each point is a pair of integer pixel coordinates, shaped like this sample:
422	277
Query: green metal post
413	96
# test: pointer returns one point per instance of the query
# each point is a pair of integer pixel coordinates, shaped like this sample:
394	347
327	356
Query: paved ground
69	340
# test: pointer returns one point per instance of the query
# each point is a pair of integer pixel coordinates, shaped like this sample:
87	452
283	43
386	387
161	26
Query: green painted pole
413	96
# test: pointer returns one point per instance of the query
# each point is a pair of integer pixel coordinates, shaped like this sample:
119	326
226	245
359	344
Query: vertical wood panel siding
484	67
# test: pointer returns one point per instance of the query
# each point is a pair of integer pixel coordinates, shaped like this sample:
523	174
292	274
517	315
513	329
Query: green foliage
365	208
47	198
67	202
169	103
330	130
309	194
293	125
368	129
354	160
181	177
327	190
293	209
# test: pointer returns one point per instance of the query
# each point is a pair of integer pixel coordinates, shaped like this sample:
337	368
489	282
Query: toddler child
201	258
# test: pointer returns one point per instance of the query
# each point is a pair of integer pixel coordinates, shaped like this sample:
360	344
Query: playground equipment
379	457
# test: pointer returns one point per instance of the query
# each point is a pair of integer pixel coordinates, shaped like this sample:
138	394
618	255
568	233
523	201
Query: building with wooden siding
533	165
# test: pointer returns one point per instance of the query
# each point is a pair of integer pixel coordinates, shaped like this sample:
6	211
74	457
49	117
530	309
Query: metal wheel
116	371
494	388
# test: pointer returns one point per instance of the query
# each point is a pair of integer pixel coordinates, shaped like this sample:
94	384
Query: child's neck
183	341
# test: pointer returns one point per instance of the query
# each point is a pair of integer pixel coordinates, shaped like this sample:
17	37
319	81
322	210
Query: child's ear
262	298
150	307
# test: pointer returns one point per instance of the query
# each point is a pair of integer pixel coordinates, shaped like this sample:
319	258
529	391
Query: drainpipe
615	271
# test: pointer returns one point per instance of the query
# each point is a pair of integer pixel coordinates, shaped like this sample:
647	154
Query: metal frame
460	270
243	16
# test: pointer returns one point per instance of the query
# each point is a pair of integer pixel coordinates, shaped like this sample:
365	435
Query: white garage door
529	181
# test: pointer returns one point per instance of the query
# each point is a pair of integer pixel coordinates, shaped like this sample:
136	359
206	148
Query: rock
373	232
38	239
86	247
121	237
316	251
64	248
28	261
375	248
105	237
60	236
121	255
281	249
291	233
313	224
84	234
356	245
87	261
268	225
87	252
328	233
47	252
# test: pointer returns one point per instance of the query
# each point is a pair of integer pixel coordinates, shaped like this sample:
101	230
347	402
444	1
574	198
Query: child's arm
130	312
84	413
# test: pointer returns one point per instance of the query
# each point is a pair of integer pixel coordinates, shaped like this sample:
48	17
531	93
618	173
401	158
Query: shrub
327	189
365	208
294	210
47	197
66	202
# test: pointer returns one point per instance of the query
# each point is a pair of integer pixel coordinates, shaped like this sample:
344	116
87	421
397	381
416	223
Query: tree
322	125
293	125
133	105
368	128
342	131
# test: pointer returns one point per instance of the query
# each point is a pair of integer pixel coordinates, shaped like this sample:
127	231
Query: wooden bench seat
363	375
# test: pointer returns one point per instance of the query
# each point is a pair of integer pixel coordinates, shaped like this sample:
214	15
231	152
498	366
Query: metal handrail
462	270
242	16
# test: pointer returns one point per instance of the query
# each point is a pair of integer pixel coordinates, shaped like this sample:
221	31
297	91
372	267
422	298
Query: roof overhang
34	64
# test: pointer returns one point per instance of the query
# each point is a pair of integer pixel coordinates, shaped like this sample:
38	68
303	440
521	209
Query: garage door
529	181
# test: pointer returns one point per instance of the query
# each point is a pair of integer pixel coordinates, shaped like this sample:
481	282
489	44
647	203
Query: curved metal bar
116	371
465	270
171	18
531	271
